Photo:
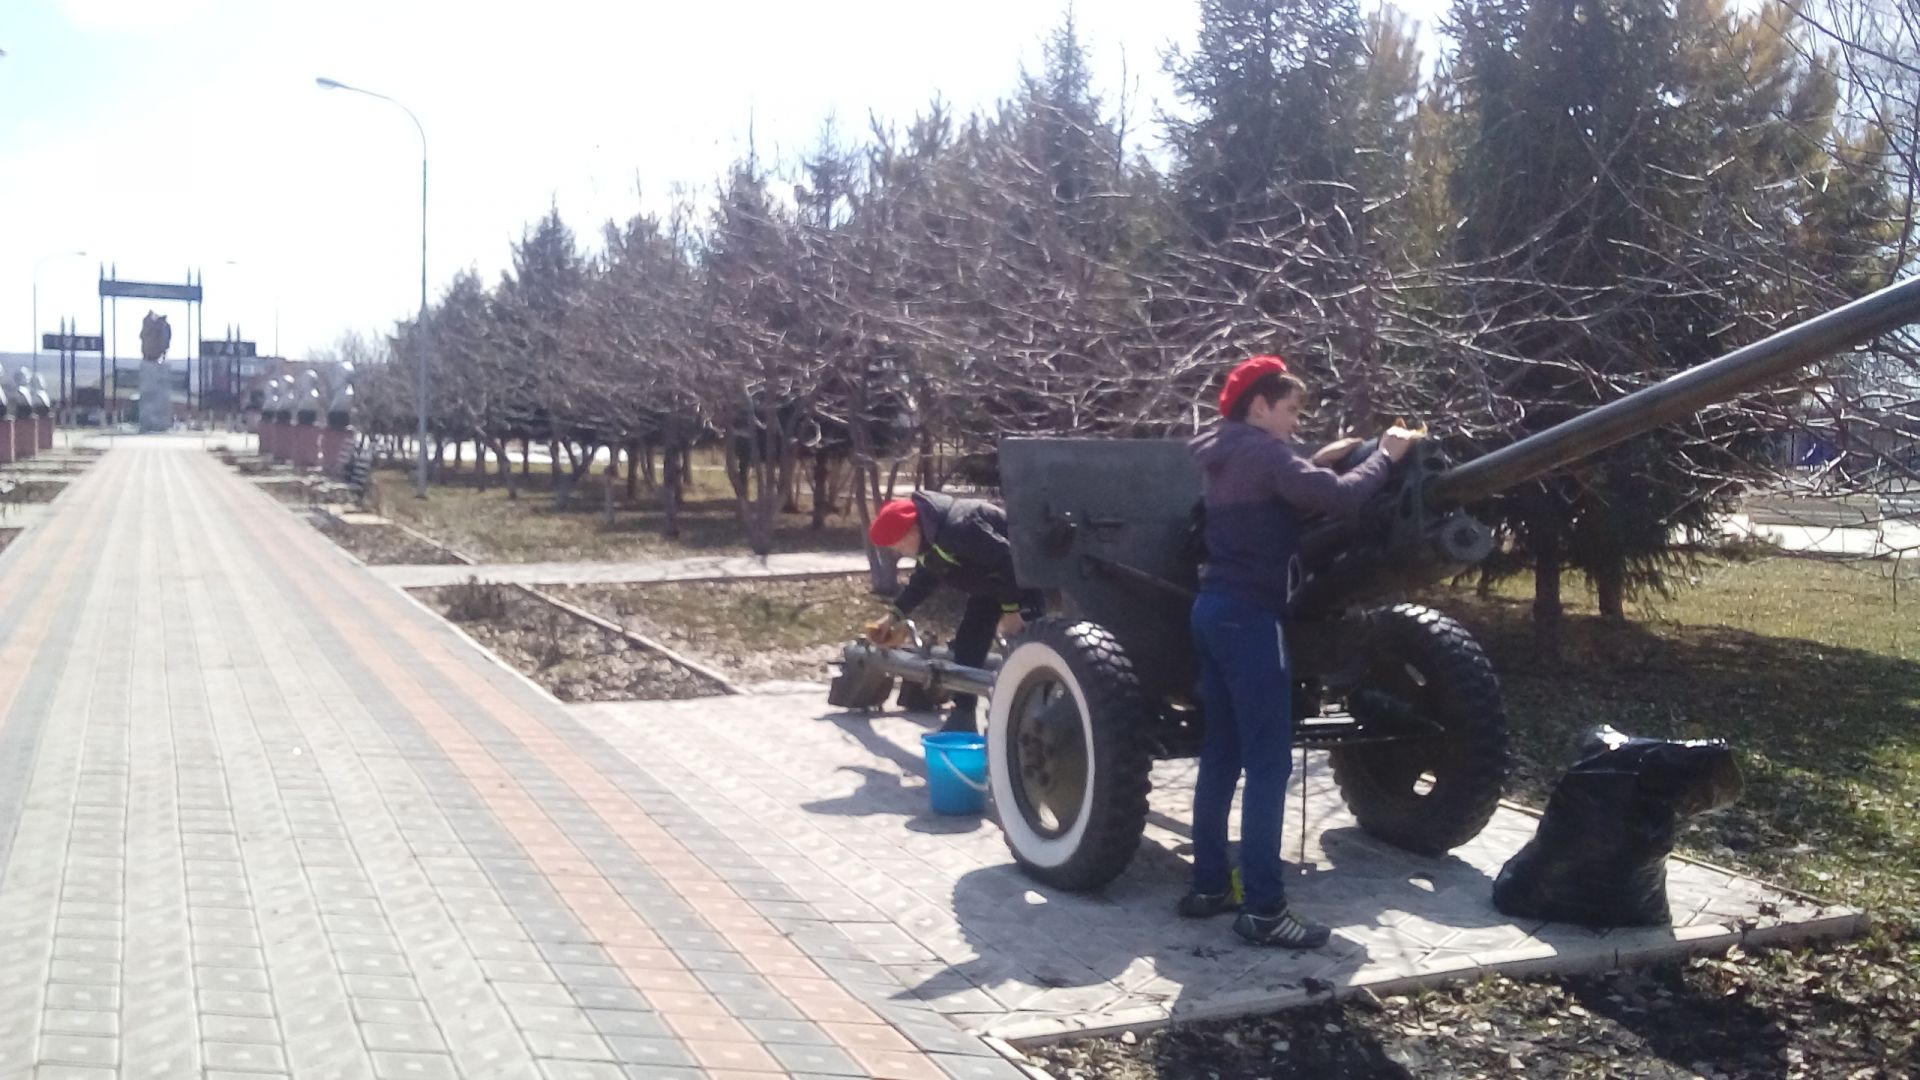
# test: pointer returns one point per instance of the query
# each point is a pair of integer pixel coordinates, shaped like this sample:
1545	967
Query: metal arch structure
112	288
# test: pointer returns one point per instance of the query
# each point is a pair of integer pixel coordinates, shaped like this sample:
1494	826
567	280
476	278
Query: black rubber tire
1113	716
1456	689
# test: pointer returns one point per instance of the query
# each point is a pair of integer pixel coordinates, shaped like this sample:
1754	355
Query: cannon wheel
1068	754
1426	794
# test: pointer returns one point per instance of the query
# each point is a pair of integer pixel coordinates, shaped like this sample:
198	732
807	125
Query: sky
163	135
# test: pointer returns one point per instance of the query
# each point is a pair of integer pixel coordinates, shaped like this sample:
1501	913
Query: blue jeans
972	641
1246	690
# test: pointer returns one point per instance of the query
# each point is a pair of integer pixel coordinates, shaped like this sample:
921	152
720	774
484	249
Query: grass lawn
1811	669
491	528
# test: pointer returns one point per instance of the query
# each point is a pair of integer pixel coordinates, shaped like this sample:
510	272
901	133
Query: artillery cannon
1400	695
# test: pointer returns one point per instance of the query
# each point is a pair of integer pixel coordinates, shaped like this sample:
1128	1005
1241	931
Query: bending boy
961	543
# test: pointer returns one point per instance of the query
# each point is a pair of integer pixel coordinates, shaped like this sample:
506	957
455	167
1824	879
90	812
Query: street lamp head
325	83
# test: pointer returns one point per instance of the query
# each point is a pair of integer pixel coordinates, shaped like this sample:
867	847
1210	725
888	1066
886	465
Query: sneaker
1280	930
1199	905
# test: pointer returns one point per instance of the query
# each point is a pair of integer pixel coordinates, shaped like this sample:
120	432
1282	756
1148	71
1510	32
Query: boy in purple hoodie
1256	487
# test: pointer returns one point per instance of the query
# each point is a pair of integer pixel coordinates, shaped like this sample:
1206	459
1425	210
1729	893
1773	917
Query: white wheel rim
1029	844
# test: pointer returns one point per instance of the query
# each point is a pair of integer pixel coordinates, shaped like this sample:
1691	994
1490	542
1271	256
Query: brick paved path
266	815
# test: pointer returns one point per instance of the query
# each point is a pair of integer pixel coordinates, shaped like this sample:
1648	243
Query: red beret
1244	375
893	522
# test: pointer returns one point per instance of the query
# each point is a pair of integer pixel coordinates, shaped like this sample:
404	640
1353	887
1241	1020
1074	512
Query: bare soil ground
290	491
382	545
1846	1013
754	630
572	658
20	492
247	464
489	526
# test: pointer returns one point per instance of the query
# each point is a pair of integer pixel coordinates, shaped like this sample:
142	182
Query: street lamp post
37	318
426	335
36	299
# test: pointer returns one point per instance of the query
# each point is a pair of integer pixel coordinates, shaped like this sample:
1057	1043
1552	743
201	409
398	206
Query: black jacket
964	545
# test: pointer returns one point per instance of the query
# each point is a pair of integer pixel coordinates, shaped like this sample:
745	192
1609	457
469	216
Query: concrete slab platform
1883	539
701	568
937	904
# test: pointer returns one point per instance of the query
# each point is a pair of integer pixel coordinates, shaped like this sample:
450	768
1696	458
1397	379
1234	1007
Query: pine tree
1612	171
1292	167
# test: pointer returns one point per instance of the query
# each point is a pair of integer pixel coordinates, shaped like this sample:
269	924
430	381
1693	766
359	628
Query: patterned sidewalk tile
267	816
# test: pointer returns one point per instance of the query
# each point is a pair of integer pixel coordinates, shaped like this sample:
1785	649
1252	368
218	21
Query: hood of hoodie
933	508
1215	445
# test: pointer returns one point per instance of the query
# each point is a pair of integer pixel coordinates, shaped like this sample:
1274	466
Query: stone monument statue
340	407
11	410
306	398
22	432
156	378
336	442
270	428
42	412
156	337
14	399
42	401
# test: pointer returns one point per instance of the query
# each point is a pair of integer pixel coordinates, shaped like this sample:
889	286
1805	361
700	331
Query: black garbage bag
1600	855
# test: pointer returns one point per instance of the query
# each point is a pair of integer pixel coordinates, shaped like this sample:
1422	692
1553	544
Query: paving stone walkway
264	815
944	912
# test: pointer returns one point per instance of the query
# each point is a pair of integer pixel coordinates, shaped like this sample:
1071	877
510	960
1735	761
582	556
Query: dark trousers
1246	690
971	642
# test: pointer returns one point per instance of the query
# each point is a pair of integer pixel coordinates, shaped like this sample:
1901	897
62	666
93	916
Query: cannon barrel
1723	379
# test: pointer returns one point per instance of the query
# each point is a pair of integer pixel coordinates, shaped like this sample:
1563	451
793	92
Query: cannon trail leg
861	684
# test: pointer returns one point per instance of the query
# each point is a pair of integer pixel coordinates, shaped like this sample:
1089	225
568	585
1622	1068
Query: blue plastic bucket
956	771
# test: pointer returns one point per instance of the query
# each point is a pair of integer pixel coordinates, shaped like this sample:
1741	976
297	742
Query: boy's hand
1011	624
1335	450
1398	440
887	632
